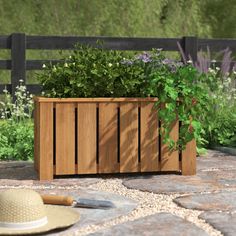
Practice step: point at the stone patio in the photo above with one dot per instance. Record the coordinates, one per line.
(148, 204)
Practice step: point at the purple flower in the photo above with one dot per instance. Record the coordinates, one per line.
(145, 57)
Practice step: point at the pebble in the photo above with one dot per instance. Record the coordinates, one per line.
(149, 204)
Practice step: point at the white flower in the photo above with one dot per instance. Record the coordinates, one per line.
(117, 64)
(70, 57)
(65, 65)
(211, 70)
(217, 68)
(44, 66)
(189, 61)
(213, 61)
(54, 69)
(234, 72)
(21, 80)
(110, 65)
(94, 65)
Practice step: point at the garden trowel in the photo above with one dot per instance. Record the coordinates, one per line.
(78, 202)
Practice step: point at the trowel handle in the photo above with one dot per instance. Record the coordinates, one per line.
(57, 200)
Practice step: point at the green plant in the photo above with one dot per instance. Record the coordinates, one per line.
(16, 126)
(19, 110)
(91, 72)
(95, 72)
(220, 118)
(16, 140)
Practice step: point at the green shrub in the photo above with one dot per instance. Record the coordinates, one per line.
(16, 126)
(95, 72)
(16, 140)
(219, 119)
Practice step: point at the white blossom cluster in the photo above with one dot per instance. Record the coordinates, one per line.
(20, 109)
(226, 84)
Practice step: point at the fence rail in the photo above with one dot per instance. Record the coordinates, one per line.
(18, 43)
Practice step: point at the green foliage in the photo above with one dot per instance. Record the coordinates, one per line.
(95, 72)
(16, 126)
(21, 109)
(219, 119)
(91, 72)
(16, 140)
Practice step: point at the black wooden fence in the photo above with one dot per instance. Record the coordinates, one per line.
(18, 43)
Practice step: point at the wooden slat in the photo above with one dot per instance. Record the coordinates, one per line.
(217, 44)
(108, 138)
(65, 138)
(45, 139)
(36, 135)
(5, 64)
(18, 55)
(38, 64)
(170, 160)
(34, 88)
(3, 86)
(87, 138)
(115, 43)
(129, 137)
(115, 100)
(149, 138)
(189, 159)
(5, 42)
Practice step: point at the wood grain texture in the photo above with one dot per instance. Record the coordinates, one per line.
(108, 138)
(65, 138)
(189, 159)
(95, 100)
(149, 138)
(129, 137)
(170, 159)
(36, 135)
(45, 138)
(87, 138)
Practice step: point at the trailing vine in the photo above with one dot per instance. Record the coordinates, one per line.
(181, 90)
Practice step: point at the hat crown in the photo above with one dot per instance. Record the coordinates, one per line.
(21, 205)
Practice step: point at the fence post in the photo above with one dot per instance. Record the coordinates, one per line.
(18, 63)
(190, 48)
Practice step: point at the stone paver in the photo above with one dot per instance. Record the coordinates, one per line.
(216, 178)
(216, 172)
(223, 201)
(216, 159)
(18, 173)
(224, 222)
(173, 184)
(161, 224)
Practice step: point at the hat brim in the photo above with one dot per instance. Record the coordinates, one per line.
(58, 217)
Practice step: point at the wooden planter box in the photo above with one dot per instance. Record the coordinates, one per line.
(103, 135)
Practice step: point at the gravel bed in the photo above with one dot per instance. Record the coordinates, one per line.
(149, 203)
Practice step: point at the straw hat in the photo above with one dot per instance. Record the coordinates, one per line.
(22, 211)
